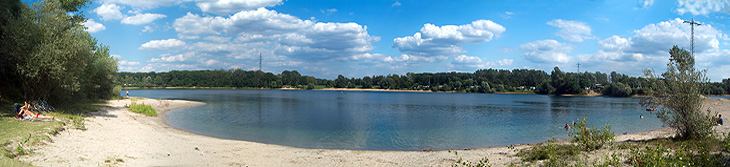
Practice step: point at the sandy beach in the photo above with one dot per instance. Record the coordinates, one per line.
(117, 137)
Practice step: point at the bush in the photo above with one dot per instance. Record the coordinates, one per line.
(685, 156)
(142, 109)
(548, 150)
(617, 90)
(116, 91)
(678, 93)
(591, 139)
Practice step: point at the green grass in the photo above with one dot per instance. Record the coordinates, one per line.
(142, 109)
(19, 137)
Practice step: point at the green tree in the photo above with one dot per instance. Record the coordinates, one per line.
(341, 82)
(678, 93)
(367, 82)
(617, 89)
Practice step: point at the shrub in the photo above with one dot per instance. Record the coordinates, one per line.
(685, 156)
(678, 95)
(142, 109)
(591, 138)
(116, 91)
(554, 153)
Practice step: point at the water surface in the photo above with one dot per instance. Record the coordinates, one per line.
(393, 120)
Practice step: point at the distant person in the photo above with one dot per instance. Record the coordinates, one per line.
(566, 127)
(719, 119)
(127, 93)
(641, 116)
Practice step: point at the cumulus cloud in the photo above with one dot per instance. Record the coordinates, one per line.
(109, 12)
(546, 51)
(140, 19)
(660, 37)
(291, 36)
(447, 40)
(162, 44)
(573, 31)
(92, 26)
(702, 7)
(225, 7)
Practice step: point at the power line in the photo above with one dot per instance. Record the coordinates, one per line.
(692, 40)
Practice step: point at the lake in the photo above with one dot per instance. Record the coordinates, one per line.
(363, 120)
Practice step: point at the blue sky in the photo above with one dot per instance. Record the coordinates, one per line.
(358, 38)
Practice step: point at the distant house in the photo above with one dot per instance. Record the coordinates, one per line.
(597, 87)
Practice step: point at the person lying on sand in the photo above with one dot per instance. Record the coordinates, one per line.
(25, 113)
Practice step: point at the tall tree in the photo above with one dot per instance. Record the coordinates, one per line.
(678, 93)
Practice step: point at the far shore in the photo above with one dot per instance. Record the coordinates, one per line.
(139, 140)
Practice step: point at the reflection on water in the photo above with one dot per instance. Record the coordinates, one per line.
(393, 120)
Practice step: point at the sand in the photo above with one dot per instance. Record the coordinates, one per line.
(117, 137)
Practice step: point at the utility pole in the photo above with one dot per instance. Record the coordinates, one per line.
(692, 40)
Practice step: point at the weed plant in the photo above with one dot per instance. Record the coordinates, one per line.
(590, 139)
(142, 109)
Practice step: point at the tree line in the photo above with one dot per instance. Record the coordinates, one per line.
(480, 81)
(45, 53)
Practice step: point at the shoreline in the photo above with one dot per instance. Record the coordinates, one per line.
(149, 141)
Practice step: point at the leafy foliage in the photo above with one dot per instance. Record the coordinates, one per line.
(685, 156)
(591, 139)
(617, 90)
(48, 55)
(142, 109)
(678, 93)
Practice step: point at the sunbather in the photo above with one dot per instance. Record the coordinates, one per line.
(26, 113)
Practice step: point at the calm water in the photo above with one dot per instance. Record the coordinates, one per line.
(393, 120)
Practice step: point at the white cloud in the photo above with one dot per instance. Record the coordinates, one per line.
(218, 39)
(286, 34)
(573, 31)
(128, 63)
(395, 4)
(140, 19)
(147, 29)
(614, 43)
(144, 3)
(174, 58)
(93, 26)
(702, 7)
(328, 11)
(544, 51)
(162, 44)
(448, 39)
(469, 63)
(109, 12)
(225, 7)
(659, 38)
(645, 3)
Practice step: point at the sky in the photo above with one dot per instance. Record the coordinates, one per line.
(326, 38)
